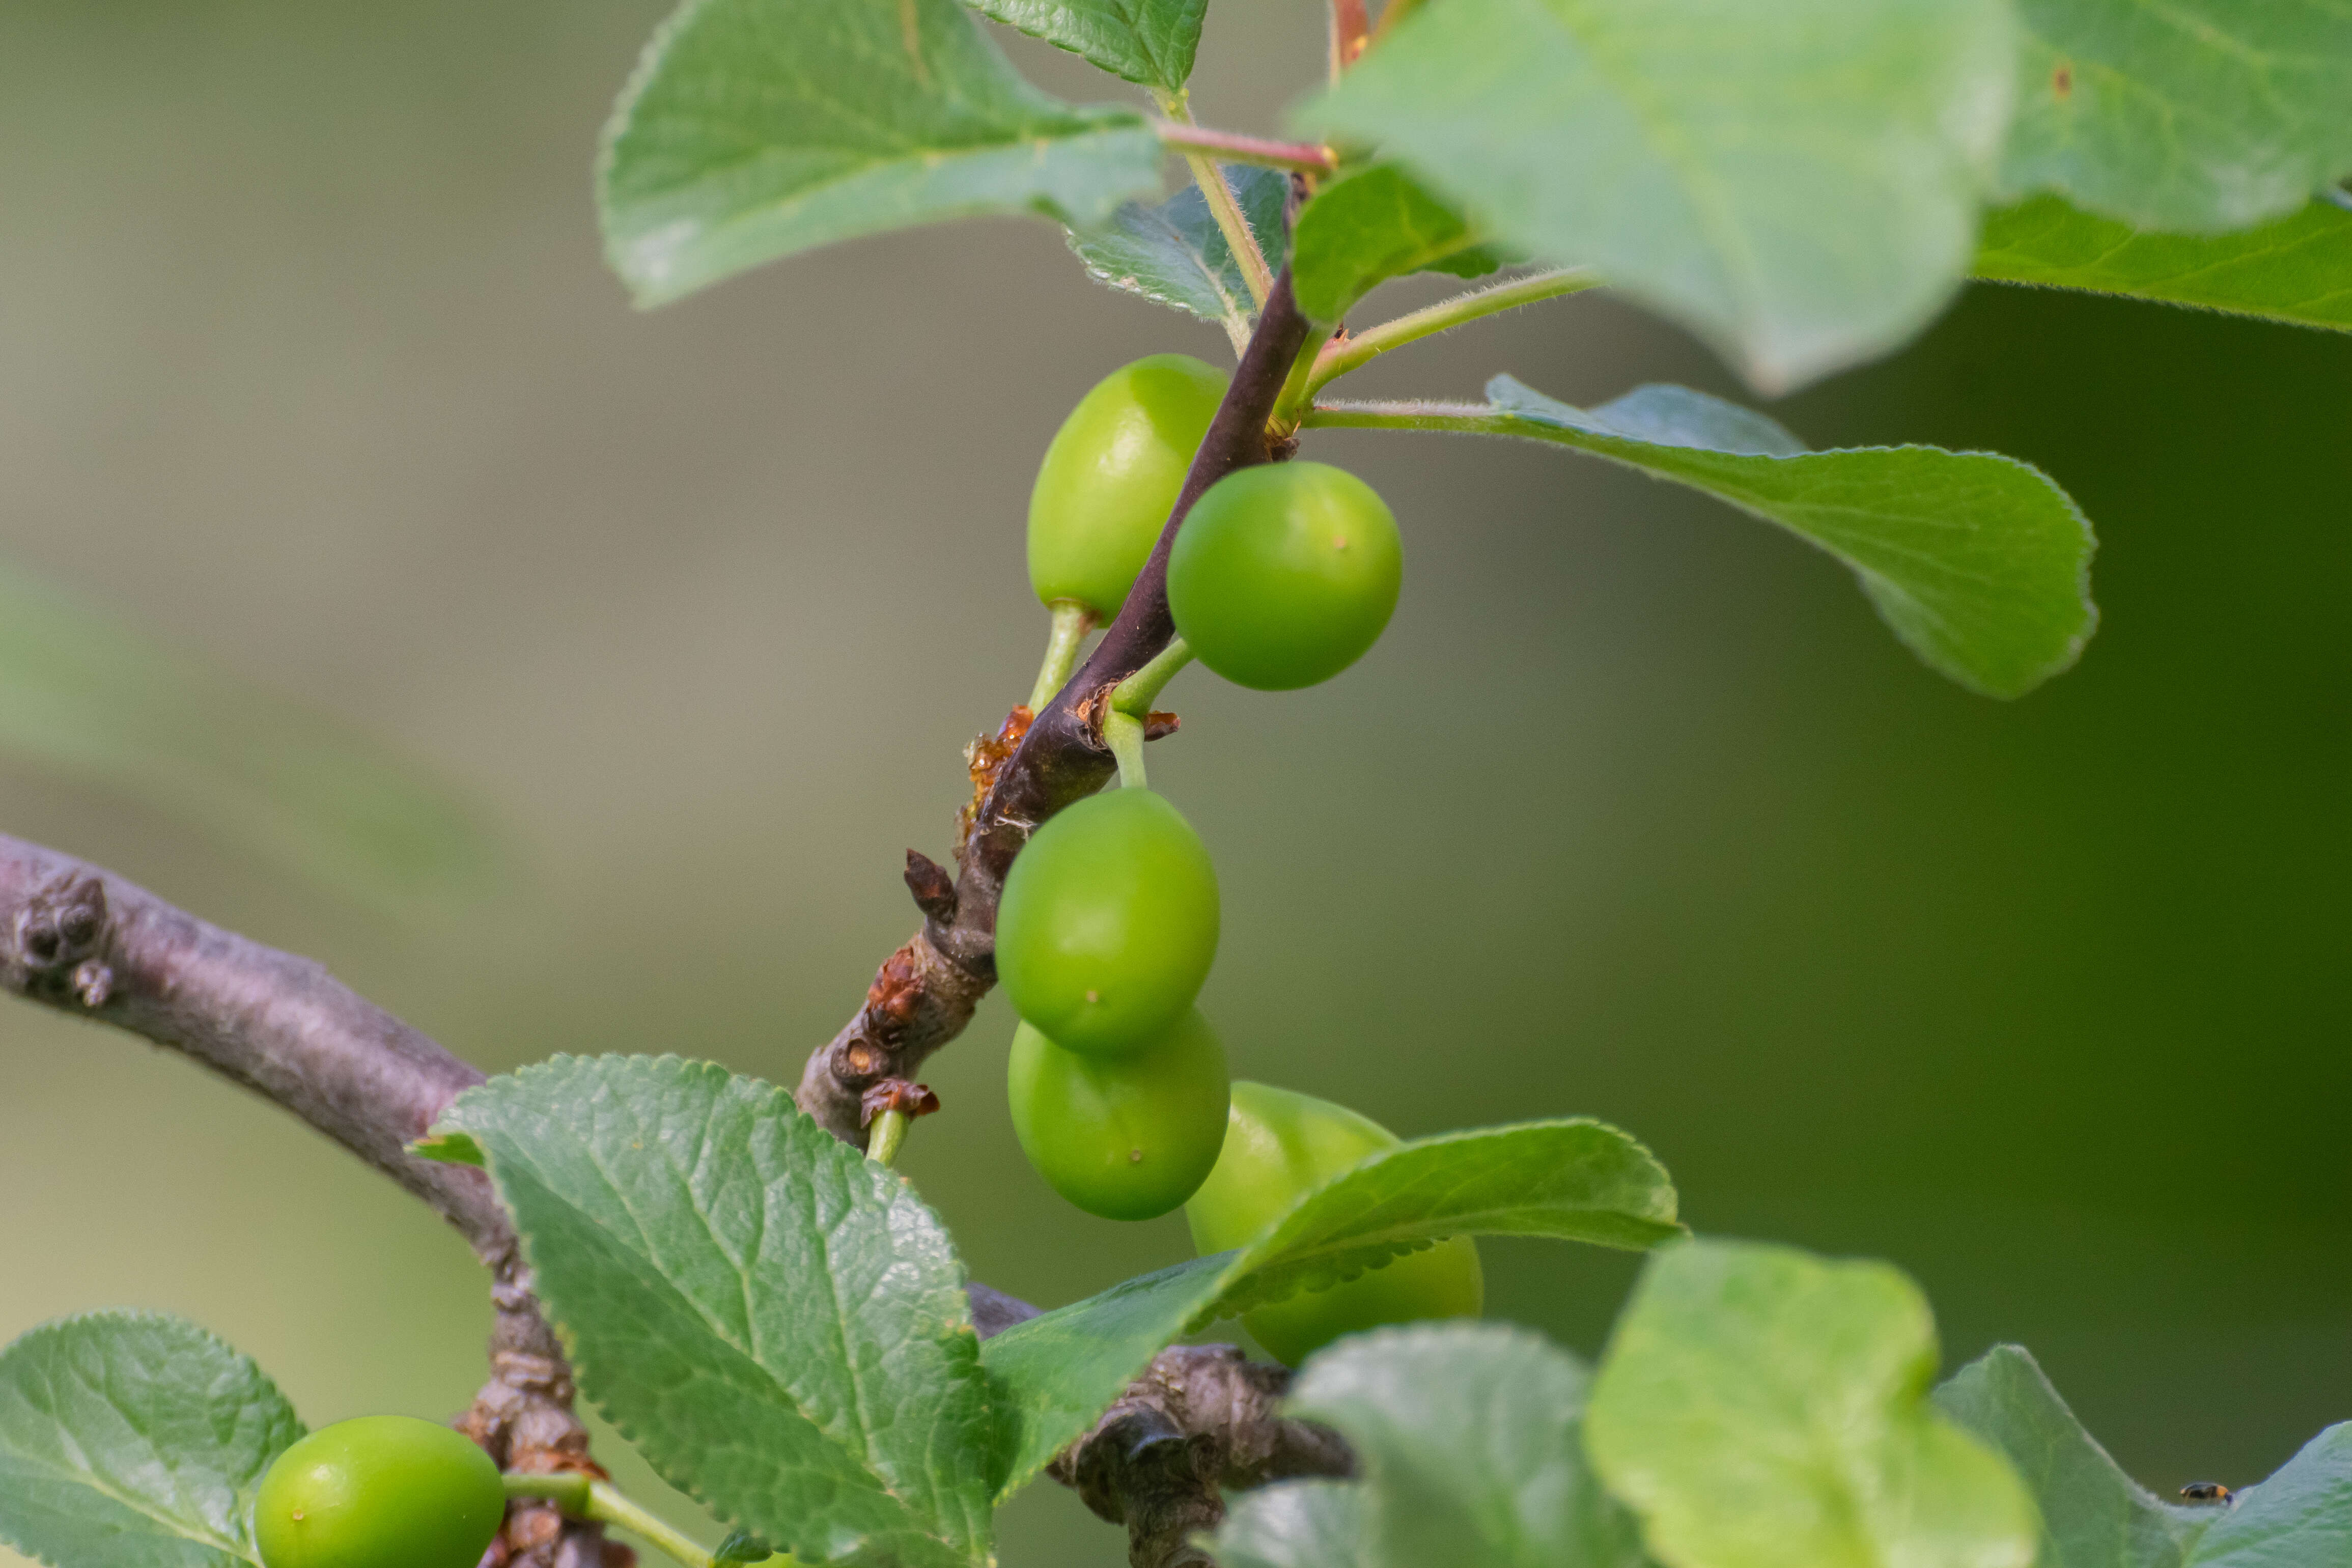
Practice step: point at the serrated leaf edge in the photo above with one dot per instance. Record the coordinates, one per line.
(148, 1316)
(571, 1346)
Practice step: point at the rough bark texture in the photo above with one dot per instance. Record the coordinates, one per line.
(88, 942)
(1202, 1418)
(925, 993)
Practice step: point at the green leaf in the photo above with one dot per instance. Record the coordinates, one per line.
(86, 693)
(2095, 1516)
(742, 1546)
(1293, 1524)
(2199, 115)
(1759, 1407)
(2298, 269)
(2300, 1518)
(1174, 253)
(1796, 182)
(1979, 562)
(1470, 1441)
(777, 1322)
(2092, 1515)
(755, 128)
(1372, 226)
(1150, 42)
(134, 1440)
(1573, 1180)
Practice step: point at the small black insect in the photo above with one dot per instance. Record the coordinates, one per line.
(2208, 1492)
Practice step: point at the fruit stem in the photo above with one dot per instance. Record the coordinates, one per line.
(1133, 697)
(583, 1497)
(568, 1492)
(1179, 132)
(1297, 393)
(1130, 705)
(888, 1132)
(1072, 622)
(1124, 731)
(1352, 354)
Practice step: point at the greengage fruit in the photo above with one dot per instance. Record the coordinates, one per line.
(1284, 575)
(382, 1492)
(1110, 478)
(1126, 1137)
(1108, 922)
(1279, 1146)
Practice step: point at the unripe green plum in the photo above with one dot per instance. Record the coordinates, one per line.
(1110, 478)
(1279, 1146)
(1284, 575)
(1126, 1137)
(1108, 922)
(383, 1492)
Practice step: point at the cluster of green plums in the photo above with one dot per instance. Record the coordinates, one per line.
(382, 1492)
(1282, 576)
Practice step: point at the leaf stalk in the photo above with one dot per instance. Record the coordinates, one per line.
(1351, 354)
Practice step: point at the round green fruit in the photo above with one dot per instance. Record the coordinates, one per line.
(383, 1492)
(1110, 478)
(1284, 575)
(1126, 1137)
(1279, 1146)
(1108, 922)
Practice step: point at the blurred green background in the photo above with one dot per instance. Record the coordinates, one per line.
(307, 361)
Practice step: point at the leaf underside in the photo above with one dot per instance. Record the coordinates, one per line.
(1173, 253)
(1980, 564)
(1798, 183)
(755, 128)
(777, 1322)
(134, 1440)
(1573, 1179)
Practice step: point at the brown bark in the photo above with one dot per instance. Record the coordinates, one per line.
(85, 941)
(926, 991)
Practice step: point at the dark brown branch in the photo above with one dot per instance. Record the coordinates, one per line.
(925, 993)
(94, 946)
(88, 944)
(1202, 1418)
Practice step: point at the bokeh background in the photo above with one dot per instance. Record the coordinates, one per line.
(309, 364)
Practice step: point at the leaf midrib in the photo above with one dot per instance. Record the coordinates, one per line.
(639, 1262)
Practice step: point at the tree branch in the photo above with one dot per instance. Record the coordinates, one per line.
(89, 943)
(94, 946)
(926, 991)
(86, 942)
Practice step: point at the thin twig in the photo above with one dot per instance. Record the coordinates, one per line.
(1351, 31)
(927, 991)
(89, 943)
(1303, 157)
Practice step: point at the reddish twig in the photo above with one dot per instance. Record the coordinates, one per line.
(1352, 29)
(1231, 147)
